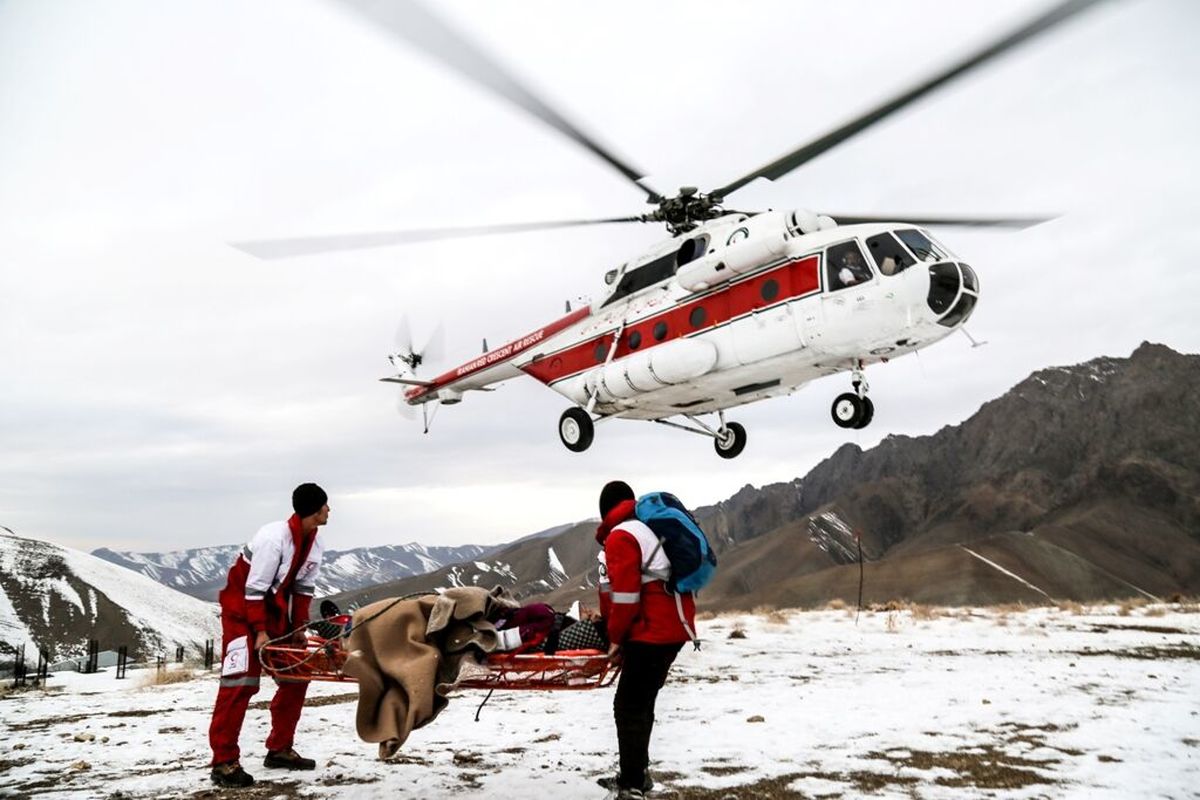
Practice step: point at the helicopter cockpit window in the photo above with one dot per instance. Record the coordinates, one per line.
(922, 246)
(692, 249)
(890, 256)
(644, 276)
(845, 266)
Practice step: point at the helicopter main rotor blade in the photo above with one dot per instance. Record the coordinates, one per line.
(801, 155)
(413, 23)
(270, 249)
(967, 222)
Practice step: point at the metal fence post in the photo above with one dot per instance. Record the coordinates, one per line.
(43, 669)
(122, 661)
(161, 663)
(179, 654)
(208, 654)
(19, 670)
(93, 659)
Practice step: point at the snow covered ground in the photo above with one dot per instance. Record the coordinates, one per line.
(910, 703)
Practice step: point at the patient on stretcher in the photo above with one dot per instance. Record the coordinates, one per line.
(539, 628)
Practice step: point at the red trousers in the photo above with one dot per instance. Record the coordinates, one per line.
(234, 696)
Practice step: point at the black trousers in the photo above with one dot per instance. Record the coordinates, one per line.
(644, 670)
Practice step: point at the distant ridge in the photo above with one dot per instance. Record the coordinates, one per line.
(201, 572)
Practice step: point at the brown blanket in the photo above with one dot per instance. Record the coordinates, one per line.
(409, 656)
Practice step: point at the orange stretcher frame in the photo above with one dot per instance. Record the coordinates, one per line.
(572, 670)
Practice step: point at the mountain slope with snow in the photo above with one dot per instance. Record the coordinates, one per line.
(201, 572)
(56, 598)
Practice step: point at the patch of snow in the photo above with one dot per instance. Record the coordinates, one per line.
(482, 567)
(64, 590)
(1009, 573)
(1084, 705)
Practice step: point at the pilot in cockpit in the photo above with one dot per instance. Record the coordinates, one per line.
(853, 269)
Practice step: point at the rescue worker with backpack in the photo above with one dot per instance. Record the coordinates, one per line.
(267, 595)
(647, 580)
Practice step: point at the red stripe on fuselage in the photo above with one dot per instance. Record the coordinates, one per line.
(793, 280)
(499, 355)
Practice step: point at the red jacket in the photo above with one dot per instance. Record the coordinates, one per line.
(284, 604)
(638, 607)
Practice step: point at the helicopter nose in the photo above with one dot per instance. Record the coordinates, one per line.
(953, 292)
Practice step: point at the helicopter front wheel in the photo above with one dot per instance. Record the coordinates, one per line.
(730, 441)
(576, 429)
(849, 410)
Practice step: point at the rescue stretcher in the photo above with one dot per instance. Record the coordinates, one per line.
(323, 659)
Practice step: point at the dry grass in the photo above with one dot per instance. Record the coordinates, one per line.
(738, 632)
(1155, 611)
(705, 616)
(923, 612)
(167, 676)
(772, 615)
(892, 622)
(1011, 608)
(1071, 607)
(1129, 604)
(836, 604)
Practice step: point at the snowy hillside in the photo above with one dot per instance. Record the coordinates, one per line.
(917, 703)
(201, 572)
(57, 598)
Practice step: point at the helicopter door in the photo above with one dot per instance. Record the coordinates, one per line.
(848, 297)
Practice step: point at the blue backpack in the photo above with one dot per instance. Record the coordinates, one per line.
(684, 543)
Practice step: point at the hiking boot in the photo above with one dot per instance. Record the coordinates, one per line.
(230, 775)
(613, 782)
(287, 759)
(626, 794)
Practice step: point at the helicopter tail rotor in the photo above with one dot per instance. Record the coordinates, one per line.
(408, 359)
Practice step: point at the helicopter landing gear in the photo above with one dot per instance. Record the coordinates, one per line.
(729, 438)
(576, 429)
(730, 441)
(854, 409)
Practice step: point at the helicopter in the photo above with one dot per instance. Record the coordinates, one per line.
(735, 306)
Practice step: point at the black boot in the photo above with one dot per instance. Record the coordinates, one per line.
(288, 759)
(230, 775)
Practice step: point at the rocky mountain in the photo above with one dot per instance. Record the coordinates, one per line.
(1081, 482)
(57, 598)
(201, 572)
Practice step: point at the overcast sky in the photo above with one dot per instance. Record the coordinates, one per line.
(160, 390)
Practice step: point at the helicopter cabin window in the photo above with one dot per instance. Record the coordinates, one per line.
(697, 317)
(922, 246)
(600, 353)
(660, 331)
(845, 266)
(635, 340)
(643, 277)
(691, 250)
(969, 280)
(890, 256)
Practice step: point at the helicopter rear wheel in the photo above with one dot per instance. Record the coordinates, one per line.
(730, 440)
(868, 413)
(576, 430)
(849, 410)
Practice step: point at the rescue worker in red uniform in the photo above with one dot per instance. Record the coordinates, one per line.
(267, 595)
(647, 625)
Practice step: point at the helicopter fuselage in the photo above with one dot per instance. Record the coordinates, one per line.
(740, 309)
